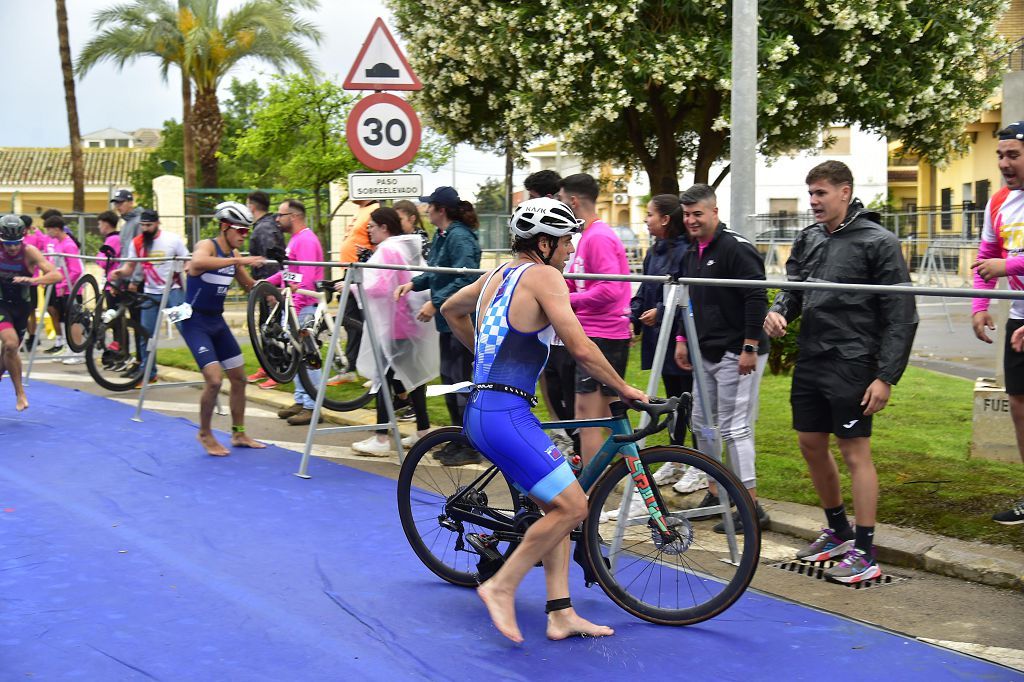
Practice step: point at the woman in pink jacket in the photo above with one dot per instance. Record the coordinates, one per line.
(410, 347)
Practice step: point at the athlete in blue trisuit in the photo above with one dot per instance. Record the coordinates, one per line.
(519, 307)
(18, 261)
(215, 263)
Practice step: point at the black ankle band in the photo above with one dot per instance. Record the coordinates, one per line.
(558, 605)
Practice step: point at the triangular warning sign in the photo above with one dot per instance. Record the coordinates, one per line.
(381, 64)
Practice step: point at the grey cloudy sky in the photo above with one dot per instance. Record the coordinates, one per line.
(136, 97)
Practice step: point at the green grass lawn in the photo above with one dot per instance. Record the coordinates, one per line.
(921, 442)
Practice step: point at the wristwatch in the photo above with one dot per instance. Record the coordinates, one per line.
(749, 348)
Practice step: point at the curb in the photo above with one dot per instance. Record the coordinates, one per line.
(280, 399)
(974, 561)
(896, 546)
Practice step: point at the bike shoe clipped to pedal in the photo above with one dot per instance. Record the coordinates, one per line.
(579, 556)
(490, 559)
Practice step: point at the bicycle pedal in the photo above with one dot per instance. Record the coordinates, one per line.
(485, 546)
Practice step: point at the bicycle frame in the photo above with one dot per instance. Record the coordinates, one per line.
(321, 316)
(589, 475)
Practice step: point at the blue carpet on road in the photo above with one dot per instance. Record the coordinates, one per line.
(127, 554)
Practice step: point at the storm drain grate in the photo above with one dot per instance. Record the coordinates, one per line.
(816, 571)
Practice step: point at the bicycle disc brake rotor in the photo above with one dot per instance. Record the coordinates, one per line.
(682, 536)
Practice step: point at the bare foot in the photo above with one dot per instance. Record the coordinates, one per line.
(212, 445)
(567, 623)
(240, 440)
(22, 403)
(502, 608)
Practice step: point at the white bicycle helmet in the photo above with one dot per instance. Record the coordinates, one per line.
(234, 213)
(543, 216)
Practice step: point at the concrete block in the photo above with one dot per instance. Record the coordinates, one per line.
(992, 434)
(980, 563)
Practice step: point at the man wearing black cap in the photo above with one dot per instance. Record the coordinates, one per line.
(455, 245)
(1000, 255)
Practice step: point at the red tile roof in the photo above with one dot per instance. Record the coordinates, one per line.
(52, 166)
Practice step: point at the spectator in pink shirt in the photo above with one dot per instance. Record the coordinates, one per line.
(33, 237)
(111, 238)
(601, 306)
(59, 242)
(303, 245)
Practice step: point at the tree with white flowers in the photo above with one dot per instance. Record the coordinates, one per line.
(646, 83)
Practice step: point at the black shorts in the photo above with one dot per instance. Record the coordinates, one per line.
(826, 396)
(15, 314)
(1013, 362)
(59, 302)
(33, 295)
(616, 351)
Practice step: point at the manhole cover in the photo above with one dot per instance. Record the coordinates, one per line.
(817, 569)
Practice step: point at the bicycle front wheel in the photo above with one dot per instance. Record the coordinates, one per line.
(681, 581)
(433, 499)
(113, 351)
(271, 338)
(81, 313)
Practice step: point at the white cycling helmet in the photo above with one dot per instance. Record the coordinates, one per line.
(234, 213)
(543, 216)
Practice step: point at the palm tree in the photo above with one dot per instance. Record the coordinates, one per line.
(205, 46)
(77, 166)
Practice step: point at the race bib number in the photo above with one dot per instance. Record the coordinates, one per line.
(178, 313)
(292, 277)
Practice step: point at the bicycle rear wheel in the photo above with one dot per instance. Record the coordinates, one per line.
(271, 340)
(112, 353)
(681, 582)
(348, 396)
(81, 312)
(428, 512)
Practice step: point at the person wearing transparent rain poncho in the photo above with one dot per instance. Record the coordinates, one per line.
(410, 347)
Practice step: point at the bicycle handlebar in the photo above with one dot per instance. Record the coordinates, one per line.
(655, 408)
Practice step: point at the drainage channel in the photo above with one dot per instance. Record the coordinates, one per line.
(816, 571)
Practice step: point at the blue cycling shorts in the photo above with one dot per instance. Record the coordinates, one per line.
(502, 427)
(210, 340)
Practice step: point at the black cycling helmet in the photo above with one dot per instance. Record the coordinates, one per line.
(11, 228)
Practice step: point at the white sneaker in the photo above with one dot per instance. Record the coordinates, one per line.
(637, 508)
(693, 480)
(669, 473)
(409, 441)
(74, 359)
(373, 447)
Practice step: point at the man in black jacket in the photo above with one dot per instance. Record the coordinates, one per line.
(733, 346)
(853, 347)
(266, 237)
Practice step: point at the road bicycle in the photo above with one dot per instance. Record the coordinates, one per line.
(116, 340)
(80, 314)
(666, 567)
(285, 349)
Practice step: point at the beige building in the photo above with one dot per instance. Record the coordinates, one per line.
(34, 179)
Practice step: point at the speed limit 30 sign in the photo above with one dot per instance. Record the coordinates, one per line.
(383, 132)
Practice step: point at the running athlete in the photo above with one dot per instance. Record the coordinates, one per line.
(1000, 255)
(520, 306)
(215, 263)
(18, 261)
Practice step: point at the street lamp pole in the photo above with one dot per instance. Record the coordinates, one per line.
(743, 117)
